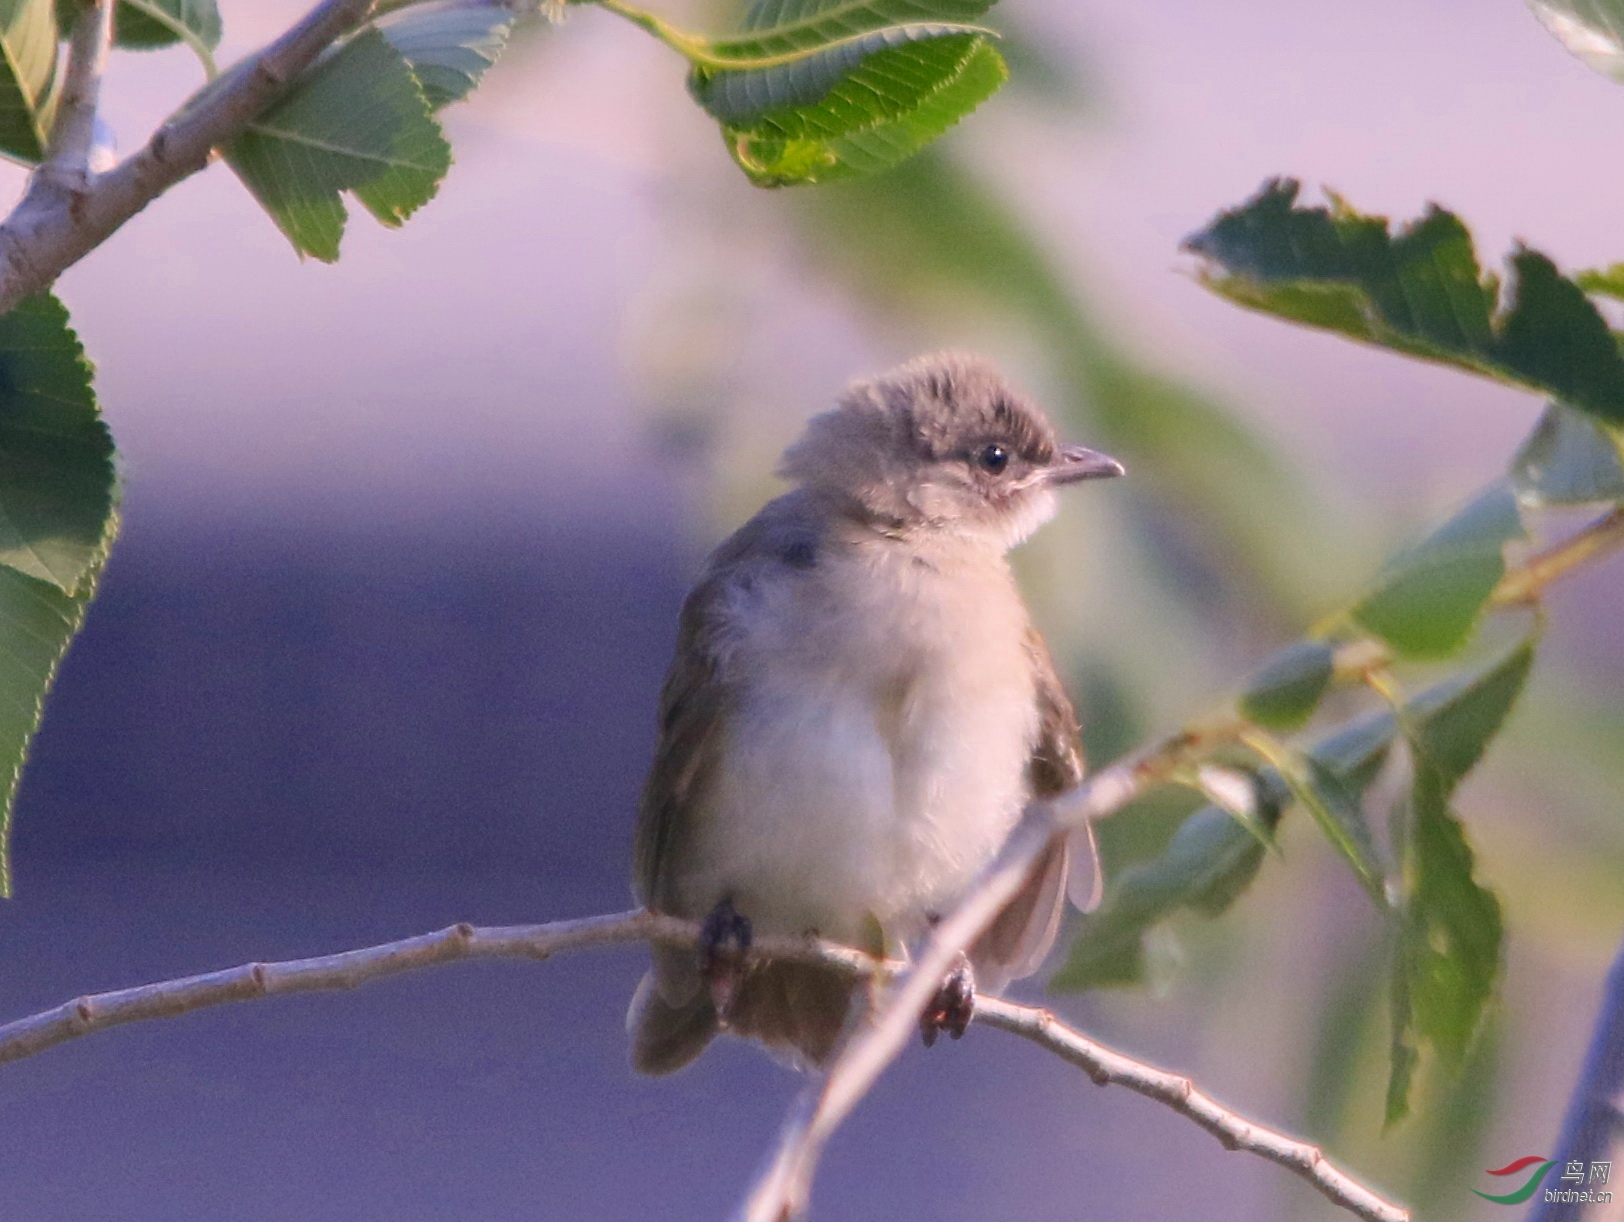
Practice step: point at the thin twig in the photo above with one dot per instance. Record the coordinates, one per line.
(73, 135)
(170, 998)
(1527, 581)
(50, 231)
(98, 1012)
(1235, 1132)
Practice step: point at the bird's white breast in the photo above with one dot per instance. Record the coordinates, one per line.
(877, 757)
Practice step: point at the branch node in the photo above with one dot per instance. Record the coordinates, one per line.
(84, 1011)
(257, 973)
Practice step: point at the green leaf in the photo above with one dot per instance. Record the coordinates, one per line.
(1592, 29)
(37, 620)
(1453, 721)
(812, 91)
(909, 107)
(1569, 459)
(1428, 597)
(57, 519)
(1286, 689)
(28, 37)
(817, 90)
(355, 122)
(144, 24)
(449, 46)
(1420, 292)
(779, 27)
(57, 484)
(1450, 931)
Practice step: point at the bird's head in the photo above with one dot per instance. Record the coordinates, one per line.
(942, 444)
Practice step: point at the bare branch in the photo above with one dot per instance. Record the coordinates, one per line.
(51, 230)
(67, 164)
(1106, 1067)
(170, 998)
(98, 1012)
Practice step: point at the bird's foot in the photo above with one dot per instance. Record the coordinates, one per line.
(953, 1006)
(723, 940)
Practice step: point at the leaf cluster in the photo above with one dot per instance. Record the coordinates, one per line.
(1419, 292)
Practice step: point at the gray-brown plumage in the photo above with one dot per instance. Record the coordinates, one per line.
(859, 708)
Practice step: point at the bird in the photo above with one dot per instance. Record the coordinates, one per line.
(858, 710)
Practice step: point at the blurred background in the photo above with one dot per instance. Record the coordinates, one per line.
(405, 538)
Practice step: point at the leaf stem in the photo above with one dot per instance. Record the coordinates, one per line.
(700, 51)
(689, 46)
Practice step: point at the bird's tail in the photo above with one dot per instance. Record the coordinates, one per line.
(794, 1008)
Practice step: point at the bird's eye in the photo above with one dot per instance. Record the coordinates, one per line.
(993, 458)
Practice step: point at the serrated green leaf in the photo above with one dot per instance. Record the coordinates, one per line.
(1419, 292)
(56, 456)
(147, 24)
(28, 37)
(1428, 597)
(1450, 932)
(891, 106)
(1569, 459)
(778, 27)
(1453, 721)
(811, 93)
(57, 519)
(355, 122)
(1592, 29)
(37, 620)
(1286, 689)
(871, 150)
(450, 46)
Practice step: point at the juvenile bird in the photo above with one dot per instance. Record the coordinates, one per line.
(858, 711)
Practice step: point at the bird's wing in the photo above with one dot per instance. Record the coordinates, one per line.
(701, 692)
(1057, 765)
(693, 713)
(1018, 940)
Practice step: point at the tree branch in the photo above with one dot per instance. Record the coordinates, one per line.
(170, 998)
(1527, 582)
(98, 1012)
(50, 230)
(1235, 1132)
(67, 164)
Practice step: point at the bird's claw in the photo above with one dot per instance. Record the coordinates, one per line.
(952, 1008)
(724, 937)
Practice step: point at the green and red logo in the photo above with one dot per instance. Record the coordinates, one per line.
(1520, 1195)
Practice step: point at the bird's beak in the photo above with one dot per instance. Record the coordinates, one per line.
(1075, 463)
